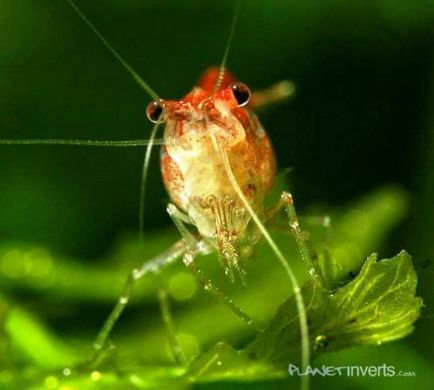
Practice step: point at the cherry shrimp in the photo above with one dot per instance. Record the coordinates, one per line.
(217, 164)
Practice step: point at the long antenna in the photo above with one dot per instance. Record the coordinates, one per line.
(301, 307)
(106, 43)
(81, 142)
(144, 179)
(222, 70)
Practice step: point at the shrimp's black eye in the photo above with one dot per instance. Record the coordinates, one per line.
(155, 111)
(241, 93)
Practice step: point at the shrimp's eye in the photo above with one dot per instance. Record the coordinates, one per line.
(155, 111)
(241, 93)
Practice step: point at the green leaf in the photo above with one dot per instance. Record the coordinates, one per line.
(36, 342)
(377, 306)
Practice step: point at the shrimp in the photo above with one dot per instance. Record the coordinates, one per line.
(218, 165)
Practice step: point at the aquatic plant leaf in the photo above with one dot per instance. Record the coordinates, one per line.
(378, 306)
(36, 342)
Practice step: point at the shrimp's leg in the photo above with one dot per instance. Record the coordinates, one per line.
(189, 261)
(180, 219)
(153, 266)
(200, 246)
(302, 238)
(168, 322)
(327, 264)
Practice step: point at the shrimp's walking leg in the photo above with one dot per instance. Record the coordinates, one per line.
(196, 247)
(168, 322)
(189, 261)
(153, 266)
(327, 264)
(304, 245)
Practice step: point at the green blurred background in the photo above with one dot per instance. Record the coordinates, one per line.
(362, 116)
